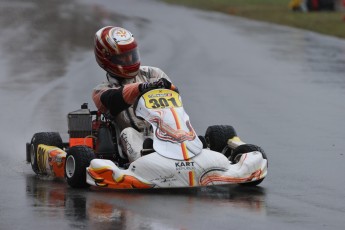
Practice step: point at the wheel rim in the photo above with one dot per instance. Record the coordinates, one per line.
(70, 166)
(32, 154)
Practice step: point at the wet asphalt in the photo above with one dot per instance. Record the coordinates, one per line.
(281, 88)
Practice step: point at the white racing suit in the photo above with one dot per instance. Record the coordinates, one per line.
(115, 97)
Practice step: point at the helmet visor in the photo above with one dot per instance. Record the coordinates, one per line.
(127, 58)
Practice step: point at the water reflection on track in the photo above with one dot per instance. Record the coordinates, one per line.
(91, 207)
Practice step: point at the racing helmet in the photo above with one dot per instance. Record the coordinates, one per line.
(116, 51)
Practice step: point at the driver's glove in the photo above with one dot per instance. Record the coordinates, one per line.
(159, 84)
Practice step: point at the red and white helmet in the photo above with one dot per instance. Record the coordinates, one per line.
(116, 52)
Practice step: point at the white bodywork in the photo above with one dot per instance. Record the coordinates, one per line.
(179, 159)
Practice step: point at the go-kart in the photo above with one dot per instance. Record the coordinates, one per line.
(174, 156)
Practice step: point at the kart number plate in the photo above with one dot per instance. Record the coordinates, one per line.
(162, 98)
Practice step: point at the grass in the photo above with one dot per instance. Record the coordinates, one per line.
(275, 11)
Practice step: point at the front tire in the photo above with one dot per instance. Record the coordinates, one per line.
(46, 138)
(217, 136)
(246, 148)
(77, 160)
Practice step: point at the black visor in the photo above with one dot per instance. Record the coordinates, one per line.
(127, 58)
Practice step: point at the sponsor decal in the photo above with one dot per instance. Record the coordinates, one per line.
(165, 179)
(41, 159)
(121, 33)
(160, 95)
(184, 165)
(133, 168)
(56, 158)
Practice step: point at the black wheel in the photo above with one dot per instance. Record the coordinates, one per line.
(217, 136)
(28, 154)
(203, 141)
(246, 148)
(254, 183)
(77, 160)
(46, 138)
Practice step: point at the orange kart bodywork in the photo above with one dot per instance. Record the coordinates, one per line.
(51, 160)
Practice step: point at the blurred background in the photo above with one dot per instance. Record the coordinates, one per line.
(322, 16)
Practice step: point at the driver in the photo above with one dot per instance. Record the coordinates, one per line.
(116, 52)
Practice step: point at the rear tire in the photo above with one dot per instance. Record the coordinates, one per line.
(46, 138)
(246, 148)
(217, 136)
(77, 160)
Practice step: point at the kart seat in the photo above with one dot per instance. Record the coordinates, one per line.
(105, 147)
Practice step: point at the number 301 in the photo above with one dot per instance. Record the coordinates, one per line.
(162, 102)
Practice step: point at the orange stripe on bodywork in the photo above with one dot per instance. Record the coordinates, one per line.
(191, 178)
(177, 120)
(185, 151)
(227, 179)
(183, 147)
(178, 126)
(104, 177)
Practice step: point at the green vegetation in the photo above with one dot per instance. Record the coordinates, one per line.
(275, 11)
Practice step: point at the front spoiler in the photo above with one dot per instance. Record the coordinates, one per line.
(155, 171)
